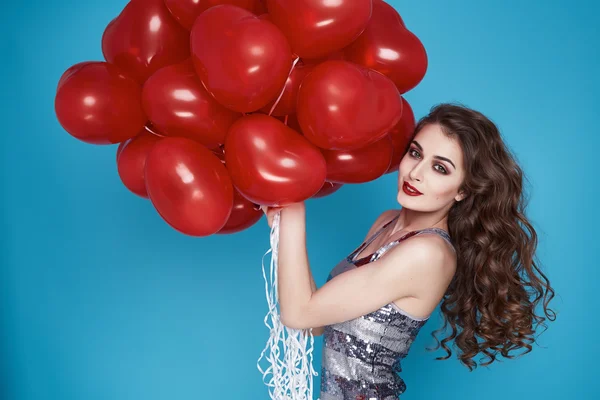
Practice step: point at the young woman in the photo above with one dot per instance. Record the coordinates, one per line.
(461, 238)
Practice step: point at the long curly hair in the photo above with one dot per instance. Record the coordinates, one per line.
(490, 296)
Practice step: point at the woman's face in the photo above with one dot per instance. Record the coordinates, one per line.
(434, 166)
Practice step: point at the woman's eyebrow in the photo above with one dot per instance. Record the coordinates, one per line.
(438, 157)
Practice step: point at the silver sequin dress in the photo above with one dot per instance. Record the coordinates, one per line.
(361, 357)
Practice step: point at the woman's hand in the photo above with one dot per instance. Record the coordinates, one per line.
(271, 211)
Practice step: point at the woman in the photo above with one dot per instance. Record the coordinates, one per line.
(461, 237)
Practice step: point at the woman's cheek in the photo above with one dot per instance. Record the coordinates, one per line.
(440, 188)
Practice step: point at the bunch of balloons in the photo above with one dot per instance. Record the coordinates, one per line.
(222, 105)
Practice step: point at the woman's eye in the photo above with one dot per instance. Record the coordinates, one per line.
(442, 170)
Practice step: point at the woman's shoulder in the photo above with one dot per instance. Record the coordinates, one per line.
(433, 248)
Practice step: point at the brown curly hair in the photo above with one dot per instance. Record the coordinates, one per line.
(490, 294)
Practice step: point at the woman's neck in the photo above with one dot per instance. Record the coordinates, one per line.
(410, 220)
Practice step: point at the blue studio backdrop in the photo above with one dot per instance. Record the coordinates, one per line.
(101, 299)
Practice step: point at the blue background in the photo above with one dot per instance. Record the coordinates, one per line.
(101, 299)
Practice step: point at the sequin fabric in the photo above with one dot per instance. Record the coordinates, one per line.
(361, 357)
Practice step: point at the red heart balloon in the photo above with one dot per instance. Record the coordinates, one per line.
(72, 70)
(261, 8)
(219, 152)
(244, 214)
(316, 28)
(361, 165)
(96, 103)
(345, 106)
(270, 164)
(144, 38)
(327, 189)
(287, 103)
(131, 159)
(242, 60)
(178, 105)
(292, 122)
(336, 55)
(186, 11)
(388, 47)
(189, 186)
(401, 135)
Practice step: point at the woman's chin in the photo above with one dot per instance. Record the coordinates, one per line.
(406, 201)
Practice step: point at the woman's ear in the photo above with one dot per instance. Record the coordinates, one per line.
(461, 195)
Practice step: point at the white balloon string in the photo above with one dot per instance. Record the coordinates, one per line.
(284, 85)
(292, 369)
(151, 129)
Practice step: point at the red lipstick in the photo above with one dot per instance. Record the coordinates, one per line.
(410, 190)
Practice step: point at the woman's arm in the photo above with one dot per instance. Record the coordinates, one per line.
(292, 250)
(318, 331)
(408, 270)
(294, 283)
(382, 219)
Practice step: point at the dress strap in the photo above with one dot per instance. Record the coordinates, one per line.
(370, 239)
(393, 243)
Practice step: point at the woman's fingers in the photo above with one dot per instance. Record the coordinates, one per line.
(270, 213)
(270, 210)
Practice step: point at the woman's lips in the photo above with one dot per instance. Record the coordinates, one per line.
(410, 190)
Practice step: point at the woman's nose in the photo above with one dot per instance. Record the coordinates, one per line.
(415, 173)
